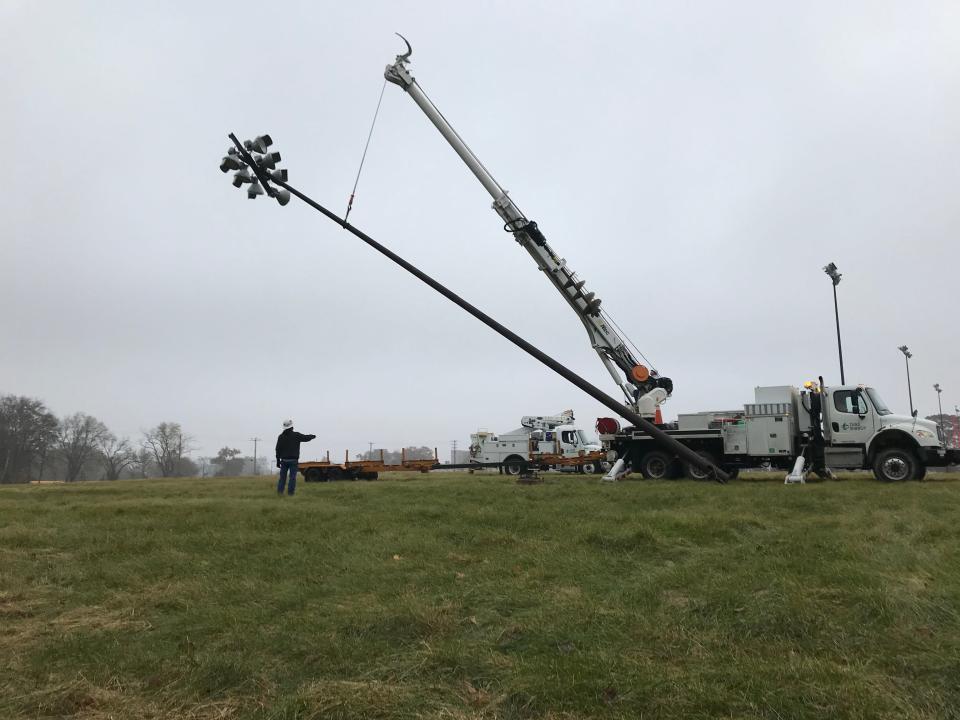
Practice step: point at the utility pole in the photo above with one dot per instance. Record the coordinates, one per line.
(255, 440)
(453, 452)
(370, 450)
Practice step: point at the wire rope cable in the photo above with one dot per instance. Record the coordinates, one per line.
(365, 148)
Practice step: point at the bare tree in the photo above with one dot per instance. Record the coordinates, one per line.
(117, 455)
(167, 444)
(142, 463)
(27, 429)
(77, 439)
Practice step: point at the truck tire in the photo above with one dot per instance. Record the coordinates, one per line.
(695, 473)
(314, 475)
(514, 465)
(656, 465)
(921, 471)
(590, 468)
(895, 465)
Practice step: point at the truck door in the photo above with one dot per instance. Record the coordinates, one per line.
(851, 418)
(568, 442)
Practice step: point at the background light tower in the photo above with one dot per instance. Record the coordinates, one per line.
(936, 386)
(907, 354)
(831, 270)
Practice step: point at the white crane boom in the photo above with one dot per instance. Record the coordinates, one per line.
(634, 379)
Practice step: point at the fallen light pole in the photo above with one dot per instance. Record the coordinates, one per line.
(242, 159)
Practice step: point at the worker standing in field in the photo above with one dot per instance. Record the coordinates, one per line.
(288, 456)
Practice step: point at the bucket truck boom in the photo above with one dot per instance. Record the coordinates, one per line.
(643, 388)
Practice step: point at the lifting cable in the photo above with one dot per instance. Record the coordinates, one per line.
(365, 148)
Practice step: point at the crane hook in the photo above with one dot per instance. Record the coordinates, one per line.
(406, 56)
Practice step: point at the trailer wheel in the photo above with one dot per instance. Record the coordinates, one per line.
(895, 465)
(655, 465)
(313, 475)
(334, 473)
(514, 465)
(696, 473)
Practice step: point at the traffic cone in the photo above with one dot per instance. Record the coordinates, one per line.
(658, 418)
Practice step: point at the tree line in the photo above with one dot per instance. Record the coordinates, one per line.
(35, 444)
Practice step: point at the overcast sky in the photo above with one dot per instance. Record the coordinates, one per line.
(697, 163)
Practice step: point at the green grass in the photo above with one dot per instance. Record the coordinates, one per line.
(456, 596)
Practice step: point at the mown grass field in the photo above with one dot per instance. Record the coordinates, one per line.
(455, 596)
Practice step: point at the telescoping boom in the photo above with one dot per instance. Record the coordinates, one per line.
(635, 380)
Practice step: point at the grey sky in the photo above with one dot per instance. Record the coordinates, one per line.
(696, 163)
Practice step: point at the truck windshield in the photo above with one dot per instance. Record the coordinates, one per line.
(878, 403)
(584, 440)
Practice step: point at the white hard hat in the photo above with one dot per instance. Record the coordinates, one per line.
(288, 423)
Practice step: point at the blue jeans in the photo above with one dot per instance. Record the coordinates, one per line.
(287, 466)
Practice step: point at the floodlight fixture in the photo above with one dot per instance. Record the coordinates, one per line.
(831, 270)
(260, 143)
(905, 351)
(231, 162)
(268, 161)
(243, 175)
(256, 167)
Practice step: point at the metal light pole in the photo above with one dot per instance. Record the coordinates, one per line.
(831, 270)
(936, 386)
(907, 355)
(251, 167)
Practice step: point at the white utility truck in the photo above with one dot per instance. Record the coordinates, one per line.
(551, 440)
(848, 427)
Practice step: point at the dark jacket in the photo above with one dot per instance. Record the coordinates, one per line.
(288, 444)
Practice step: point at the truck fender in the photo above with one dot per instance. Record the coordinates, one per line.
(891, 438)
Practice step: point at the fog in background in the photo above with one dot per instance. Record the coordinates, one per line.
(697, 163)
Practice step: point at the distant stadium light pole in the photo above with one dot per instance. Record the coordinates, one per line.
(831, 270)
(936, 386)
(907, 354)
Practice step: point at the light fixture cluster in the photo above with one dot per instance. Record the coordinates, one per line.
(257, 152)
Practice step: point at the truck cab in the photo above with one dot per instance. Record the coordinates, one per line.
(860, 431)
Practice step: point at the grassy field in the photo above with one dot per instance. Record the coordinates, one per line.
(455, 596)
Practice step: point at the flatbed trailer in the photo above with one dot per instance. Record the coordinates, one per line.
(327, 470)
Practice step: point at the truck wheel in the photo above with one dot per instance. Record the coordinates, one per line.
(589, 468)
(514, 465)
(655, 465)
(696, 473)
(895, 465)
(313, 475)
(921, 471)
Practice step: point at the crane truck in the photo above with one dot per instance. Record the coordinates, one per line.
(843, 427)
